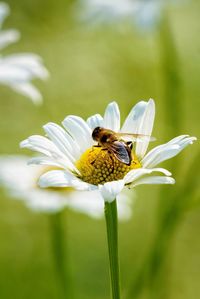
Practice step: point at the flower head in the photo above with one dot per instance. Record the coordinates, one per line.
(17, 70)
(20, 181)
(83, 166)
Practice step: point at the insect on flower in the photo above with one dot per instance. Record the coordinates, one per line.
(116, 144)
(72, 150)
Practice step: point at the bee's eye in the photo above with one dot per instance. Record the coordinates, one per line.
(95, 132)
(104, 138)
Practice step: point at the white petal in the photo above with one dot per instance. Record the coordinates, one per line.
(133, 120)
(18, 70)
(30, 64)
(42, 145)
(47, 161)
(177, 139)
(60, 178)
(159, 154)
(92, 204)
(83, 186)
(16, 175)
(12, 75)
(110, 190)
(63, 141)
(47, 147)
(4, 11)
(166, 151)
(125, 201)
(89, 203)
(153, 180)
(95, 121)
(45, 201)
(146, 127)
(112, 117)
(8, 37)
(56, 178)
(79, 130)
(184, 142)
(28, 90)
(137, 173)
(20, 183)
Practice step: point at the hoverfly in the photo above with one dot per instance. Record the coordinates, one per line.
(115, 144)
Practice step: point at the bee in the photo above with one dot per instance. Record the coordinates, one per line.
(114, 143)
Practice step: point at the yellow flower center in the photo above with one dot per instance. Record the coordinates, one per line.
(98, 166)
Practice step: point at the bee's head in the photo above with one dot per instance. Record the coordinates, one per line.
(96, 132)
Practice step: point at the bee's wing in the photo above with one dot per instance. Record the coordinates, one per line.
(137, 137)
(120, 151)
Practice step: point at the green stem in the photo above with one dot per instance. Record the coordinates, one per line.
(60, 254)
(112, 237)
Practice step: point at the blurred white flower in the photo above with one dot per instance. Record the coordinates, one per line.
(144, 13)
(20, 181)
(6, 36)
(87, 167)
(17, 70)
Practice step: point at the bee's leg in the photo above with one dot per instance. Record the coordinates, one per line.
(113, 162)
(129, 150)
(98, 153)
(102, 149)
(97, 145)
(130, 144)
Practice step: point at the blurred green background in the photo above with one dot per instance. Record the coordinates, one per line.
(89, 68)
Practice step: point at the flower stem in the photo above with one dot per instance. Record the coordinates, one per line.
(60, 254)
(112, 237)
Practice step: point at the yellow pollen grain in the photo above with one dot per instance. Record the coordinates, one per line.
(98, 165)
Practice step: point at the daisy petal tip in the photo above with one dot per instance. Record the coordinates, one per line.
(113, 103)
(172, 181)
(113, 106)
(151, 100)
(112, 117)
(46, 126)
(167, 173)
(153, 105)
(43, 181)
(193, 139)
(23, 143)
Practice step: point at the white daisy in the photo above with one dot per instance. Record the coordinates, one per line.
(144, 13)
(17, 70)
(85, 167)
(20, 181)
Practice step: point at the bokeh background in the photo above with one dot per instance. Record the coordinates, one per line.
(89, 67)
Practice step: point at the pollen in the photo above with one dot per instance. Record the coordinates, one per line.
(97, 166)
